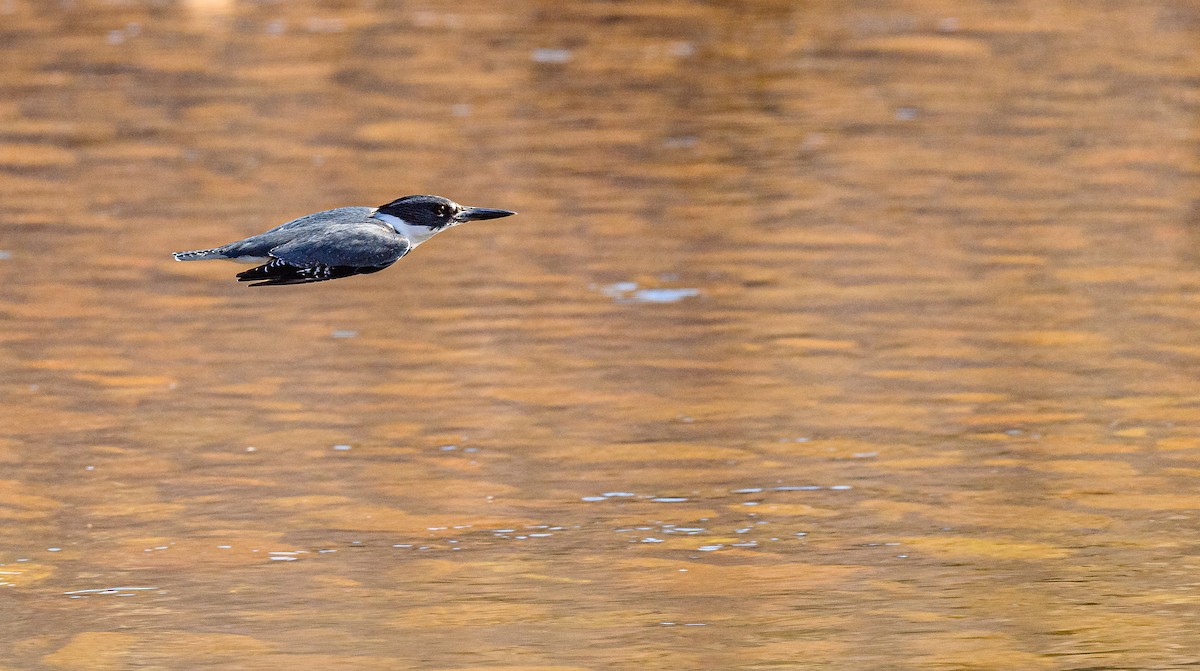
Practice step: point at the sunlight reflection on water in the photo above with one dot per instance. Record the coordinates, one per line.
(926, 399)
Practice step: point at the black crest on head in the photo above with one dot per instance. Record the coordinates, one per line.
(432, 211)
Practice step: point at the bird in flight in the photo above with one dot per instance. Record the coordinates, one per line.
(342, 242)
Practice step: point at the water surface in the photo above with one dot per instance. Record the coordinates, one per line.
(830, 335)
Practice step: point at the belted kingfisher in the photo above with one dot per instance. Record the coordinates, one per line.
(342, 242)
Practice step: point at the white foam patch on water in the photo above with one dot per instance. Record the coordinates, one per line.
(663, 295)
(551, 55)
(630, 292)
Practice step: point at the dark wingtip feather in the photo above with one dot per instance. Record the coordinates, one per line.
(278, 273)
(275, 270)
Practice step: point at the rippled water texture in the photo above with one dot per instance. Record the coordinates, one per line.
(831, 335)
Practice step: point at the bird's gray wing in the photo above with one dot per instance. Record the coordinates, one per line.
(326, 253)
(259, 246)
(364, 245)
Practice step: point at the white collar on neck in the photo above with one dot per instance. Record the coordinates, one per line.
(414, 234)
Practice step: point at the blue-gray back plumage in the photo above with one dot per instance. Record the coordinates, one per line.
(313, 248)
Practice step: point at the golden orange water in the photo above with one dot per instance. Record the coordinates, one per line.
(831, 335)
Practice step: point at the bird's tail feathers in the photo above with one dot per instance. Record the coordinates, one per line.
(200, 254)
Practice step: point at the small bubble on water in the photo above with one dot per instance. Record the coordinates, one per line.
(681, 49)
(618, 290)
(341, 448)
(556, 56)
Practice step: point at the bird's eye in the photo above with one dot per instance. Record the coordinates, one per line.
(443, 211)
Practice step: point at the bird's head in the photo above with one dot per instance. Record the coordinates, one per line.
(418, 218)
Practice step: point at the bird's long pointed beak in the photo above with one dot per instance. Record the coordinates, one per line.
(478, 213)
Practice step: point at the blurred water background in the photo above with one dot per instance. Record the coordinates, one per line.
(831, 335)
